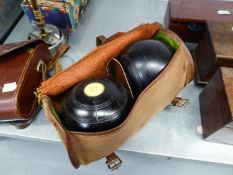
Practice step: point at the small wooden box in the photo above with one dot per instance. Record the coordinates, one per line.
(215, 49)
(216, 107)
(187, 18)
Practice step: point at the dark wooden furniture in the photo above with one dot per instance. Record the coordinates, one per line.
(187, 18)
(215, 49)
(216, 107)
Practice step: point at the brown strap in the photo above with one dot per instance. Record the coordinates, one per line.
(59, 53)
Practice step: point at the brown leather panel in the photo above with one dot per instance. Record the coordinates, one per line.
(10, 72)
(7, 104)
(29, 81)
(18, 63)
(199, 10)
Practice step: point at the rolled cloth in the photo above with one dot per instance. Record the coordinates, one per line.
(95, 62)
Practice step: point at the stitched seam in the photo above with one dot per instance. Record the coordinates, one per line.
(16, 111)
(25, 76)
(22, 80)
(17, 94)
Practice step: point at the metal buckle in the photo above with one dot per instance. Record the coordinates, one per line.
(42, 67)
(180, 102)
(113, 161)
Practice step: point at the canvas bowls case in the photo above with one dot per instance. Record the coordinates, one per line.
(86, 147)
(20, 76)
(93, 105)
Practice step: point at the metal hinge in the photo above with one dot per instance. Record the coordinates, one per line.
(113, 161)
(180, 102)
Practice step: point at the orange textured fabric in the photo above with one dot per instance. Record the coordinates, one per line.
(91, 66)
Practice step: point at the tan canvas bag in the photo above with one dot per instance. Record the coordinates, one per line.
(83, 147)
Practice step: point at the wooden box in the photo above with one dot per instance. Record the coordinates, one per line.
(187, 18)
(216, 107)
(215, 49)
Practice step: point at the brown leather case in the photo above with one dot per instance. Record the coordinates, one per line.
(215, 50)
(20, 78)
(216, 107)
(84, 148)
(183, 12)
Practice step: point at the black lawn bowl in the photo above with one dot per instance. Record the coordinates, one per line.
(95, 105)
(143, 62)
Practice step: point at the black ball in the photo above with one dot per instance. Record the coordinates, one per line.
(143, 62)
(95, 105)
